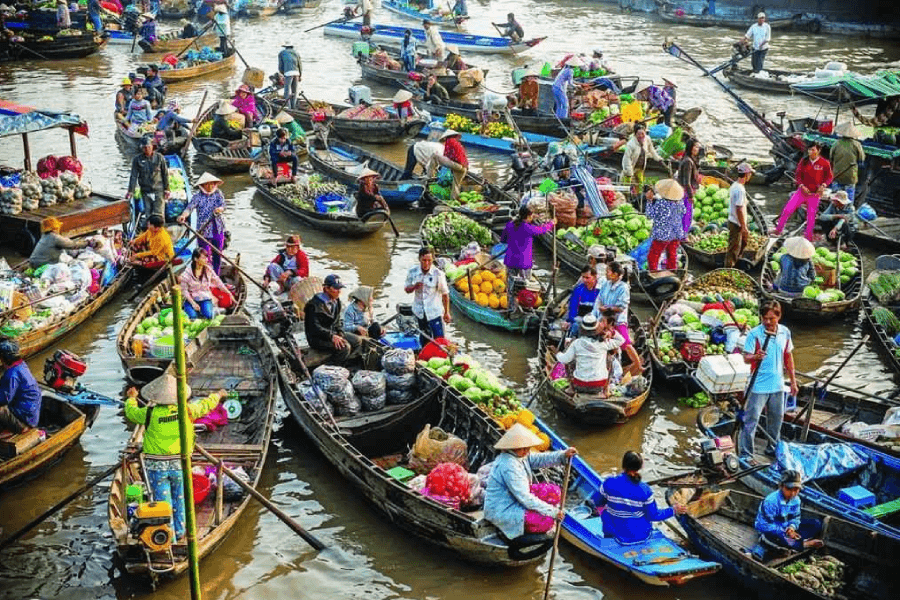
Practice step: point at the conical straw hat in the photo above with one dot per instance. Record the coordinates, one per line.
(518, 437)
(208, 177)
(163, 390)
(799, 247)
(669, 189)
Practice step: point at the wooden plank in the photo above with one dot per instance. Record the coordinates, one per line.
(226, 448)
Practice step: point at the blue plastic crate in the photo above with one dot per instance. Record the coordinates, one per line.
(401, 340)
(857, 496)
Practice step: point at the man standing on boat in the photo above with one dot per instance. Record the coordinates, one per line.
(150, 172)
(94, 10)
(20, 396)
(223, 26)
(434, 43)
(738, 232)
(847, 155)
(431, 299)
(290, 66)
(364, 7)
(759, 35)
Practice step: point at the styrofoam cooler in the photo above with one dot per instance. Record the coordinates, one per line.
(723, 374)
(360, 93)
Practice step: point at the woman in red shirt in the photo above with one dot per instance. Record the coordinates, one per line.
(454, 152)
(813, 176)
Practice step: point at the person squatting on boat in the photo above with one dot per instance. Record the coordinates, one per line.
(358, 316)
(797, 270)
(596, 338)
(778, 520)
(288, 267)
(839, 218)
(52, 244)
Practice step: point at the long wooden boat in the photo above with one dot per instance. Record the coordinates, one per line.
(365, 131)
(520, 323)
(132, 139)
(172, 75)
(172, 11)
(536, 141)
(235, 356)
(588, 409)
(260, 8)
(721, 281)
(884, 340)
(658, 561)
(544, 124)
(365, 446)
(809, 308)
(171, 41)
(400, 77)
(778, 82)
(343, 162)
(142, 369)
(753, 257)
(64, 423)
(338, 223)
(64, 47)
(707, 20)
(233, 156)
(392, 34)
(881, 475)
(886, 240)
(494, 215)
(436, 17)
(720, 524)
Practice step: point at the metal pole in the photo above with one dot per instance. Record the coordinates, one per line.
(183, 425)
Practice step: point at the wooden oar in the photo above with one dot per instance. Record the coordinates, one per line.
(193, 129)
(193, 41)
(307, 536)
(845, 388)
(562, 506)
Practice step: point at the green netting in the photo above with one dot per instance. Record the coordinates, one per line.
(852, 88)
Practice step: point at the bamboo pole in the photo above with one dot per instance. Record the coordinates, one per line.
(562, 506)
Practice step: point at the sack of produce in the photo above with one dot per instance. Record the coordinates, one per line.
(368, 383)
(434, 446)
(399, 396)
(330, 378)
(536, 522)
(406, 381)
(373, 402)
(314, 395)
(398, 361)
(477, 484)
(344, 400)
(449, 480)
(46, 167)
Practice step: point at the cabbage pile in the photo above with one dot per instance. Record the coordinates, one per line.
(625, 230)
(159, 328)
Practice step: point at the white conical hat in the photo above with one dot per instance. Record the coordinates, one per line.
(847, 129)
(799, 247)
(669, 189)
(367, 173)
(226, 107)
(518, 437)
(163, 390)
(283, 118)
(208, 177)
(402, 96)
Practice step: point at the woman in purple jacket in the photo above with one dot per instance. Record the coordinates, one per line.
(519, 237)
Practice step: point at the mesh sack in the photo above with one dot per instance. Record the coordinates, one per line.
(330, 378)
(374, 402)
(404, 382)
(399, 396)
(398, 361)
(434, 446)
(344, 400)
(314, 395)
(368, 383)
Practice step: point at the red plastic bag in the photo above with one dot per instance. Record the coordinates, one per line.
(449, 480)
(433, 349)
(69, 163)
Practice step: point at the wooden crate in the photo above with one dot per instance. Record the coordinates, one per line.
(21, 442)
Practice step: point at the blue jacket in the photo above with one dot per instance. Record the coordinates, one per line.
(20, 391)
(630, 509)
(581, 296)
(795, 274)
(507, 493)
(169, 119)
(776, 515)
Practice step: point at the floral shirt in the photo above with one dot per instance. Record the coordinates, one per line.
(206, 205)
(666, 215)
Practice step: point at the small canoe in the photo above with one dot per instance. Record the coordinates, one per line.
(355, 131)
(886, 240)
(518, 322)
(544, 124)
(726, 282)
(720, 524)
(496, 211)
(679, 17)
(295, 6)
(401, 78)
(344, 162)
(337, 223)
(64, 47)
(144, 368)
(259, 9)
(588, 409)
(132, 139)
(172, 42)
(536, 141)
(365, 447)
(393, 34)
(875, 471)
(810, 309)
(176, 10)
(884, 339)
(435, 16)
(778, 82)
(64, 423)
(235, 356)
(173, 75)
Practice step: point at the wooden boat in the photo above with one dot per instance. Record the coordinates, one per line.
(544, 124)
(132, 139)
(658, 561)
(295, 6)
(176, 10)
(884, 340)
(588, 409)
(436, 17)
(778, 82)
(494, 215)
(64, 423)
(536, 141)
(886, 240)
(338, 223)
(810, 308)
(727, 281)
(881, 475)
(34, 45)
(400, 77)
(233, 156)
(392, 34)
(343, 162)
(260, 8)
(172, 42)
(520, 323)
(172, 75)
(235, 356)
(720, 524)
(365, 131)
(679, 17)
(365, 446)
(142, 369)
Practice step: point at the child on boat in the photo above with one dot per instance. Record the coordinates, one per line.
(778, 520)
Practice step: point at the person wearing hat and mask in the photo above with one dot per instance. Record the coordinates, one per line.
(431, 295)
(209, 202)
(51, 245)
(408, 51)
(162, 440)
(511, 29)
(402, 101)
(202, 286)
(289, 266)
(666, 208)
(322, 320)
(454, 61)
(738, 231)
(813, 176)
(223, 126)
(759, 35)
(222, 26)
(156, 88)
(847, 156)
(188, 29)
(796, 270)
(282, 151)
(434, 43)
(778, 520)
(459, 161)
(596, 338)
(291, 68)
(149, 173)
(138, 109)
(368, 195)
(638, 150)
(123, 98)
(840, 218)
(358, 316)
(245, 102)
(630, 509)
(20, 395)
(507, 493)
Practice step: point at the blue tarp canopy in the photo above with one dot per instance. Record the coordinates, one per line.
(853, 88)
(15, 120)
(816, 461)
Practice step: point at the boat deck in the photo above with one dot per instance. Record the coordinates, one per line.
(736, 535)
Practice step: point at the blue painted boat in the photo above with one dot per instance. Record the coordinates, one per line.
(403, 8)
(656, 561)
(537, 141)
(393, 35)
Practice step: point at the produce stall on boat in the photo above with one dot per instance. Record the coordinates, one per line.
(197, 64)
(26, 44)
(479, 199)
(881, 307)
(678, 16)
(545, 124)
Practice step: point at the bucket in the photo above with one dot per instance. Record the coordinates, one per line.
(254, 77)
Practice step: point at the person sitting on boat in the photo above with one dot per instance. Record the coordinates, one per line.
(138, 110)
(408, 51)
(322, 320)
(402, 101)
(224, 127)
(584, 294)
(281, 151)
(149, 173)
(778, 520)
(840, 217)
(614, 296)
(434, 92)
(813, 176)
(51, 245)
(200, 286)
(596, 338)
(666, 209)
(188, 29)
(511, 29)
(507, 494)
(431, 295)
(796, 270)
(156, 88)
(434, 43)
(598, 63)
(454, 61)
(458, 160)
(368, 196)
(209, 203)
(123, 98)
(564, 80)
(20, 395)
(222, 26)
(358, 317)
(638, 150)
(148, 27)
(170, 122)
(162, 440)
(155, 244)
(518, 235)
(245, 102)
(529, 91)
(629, 509)
(288, 267)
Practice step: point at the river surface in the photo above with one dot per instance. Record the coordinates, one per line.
(71, 555)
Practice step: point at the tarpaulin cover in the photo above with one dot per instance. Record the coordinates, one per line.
(853, 88)
(817, 461)
(15, 119)
(871, 148)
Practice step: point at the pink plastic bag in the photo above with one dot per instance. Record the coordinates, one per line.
(549, 493)
(558, 372)
(217, 417)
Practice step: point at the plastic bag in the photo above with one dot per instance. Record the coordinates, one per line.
(231, 491)
(450, 480)
(368, 383)
(477, 483)
(398, 361)
(404, 382)
(399, 396)
(536, 522)
(344, 400)
(331, 379)
(866, 212)
(374, 402)
(434, 446)
(314, 395)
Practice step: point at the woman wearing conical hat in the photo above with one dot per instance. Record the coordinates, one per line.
(667, 209)
(209, 203)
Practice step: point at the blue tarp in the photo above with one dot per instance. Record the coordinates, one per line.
(818, 461)
(16, 119)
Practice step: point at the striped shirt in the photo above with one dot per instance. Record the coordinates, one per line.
(629, 509)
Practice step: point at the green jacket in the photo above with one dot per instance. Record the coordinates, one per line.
(161, 437)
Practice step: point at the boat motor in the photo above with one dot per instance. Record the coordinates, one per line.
(62, 370)
(276, 319)
(718, 454)
(406, 319)
(151, 526)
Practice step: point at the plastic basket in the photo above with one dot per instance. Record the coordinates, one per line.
(162, 350)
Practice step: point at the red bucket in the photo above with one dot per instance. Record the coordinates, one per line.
(201, 488)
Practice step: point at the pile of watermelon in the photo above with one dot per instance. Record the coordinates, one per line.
(625, 230)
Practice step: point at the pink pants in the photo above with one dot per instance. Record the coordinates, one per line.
(812, 207)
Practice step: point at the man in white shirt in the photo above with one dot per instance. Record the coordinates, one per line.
(434, 43)
(431, 299)
(738, 232)
(759, 35)
(426, 153)
(494, 103)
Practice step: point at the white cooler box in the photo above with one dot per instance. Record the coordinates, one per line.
(723, 374)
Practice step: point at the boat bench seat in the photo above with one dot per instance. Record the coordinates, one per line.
(880, 511)
(12, 445)
(314, 358)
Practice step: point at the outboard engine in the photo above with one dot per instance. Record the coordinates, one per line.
(62, 370)
(276, 319)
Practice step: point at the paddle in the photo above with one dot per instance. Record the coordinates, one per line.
(553, 232)
(197, 37)
(343, 19)
(845, 388)
(195, 124)
(307, 536)
(24, 47)
(562, 504)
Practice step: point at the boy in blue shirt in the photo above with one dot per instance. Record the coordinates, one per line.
(778, 520)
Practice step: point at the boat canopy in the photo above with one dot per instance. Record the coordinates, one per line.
(853, 88)
(871, 148)
(817, 461)
(17, 120)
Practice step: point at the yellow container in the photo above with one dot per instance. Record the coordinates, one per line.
(632, 112)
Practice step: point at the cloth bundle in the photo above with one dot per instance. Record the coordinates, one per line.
(434, 446)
